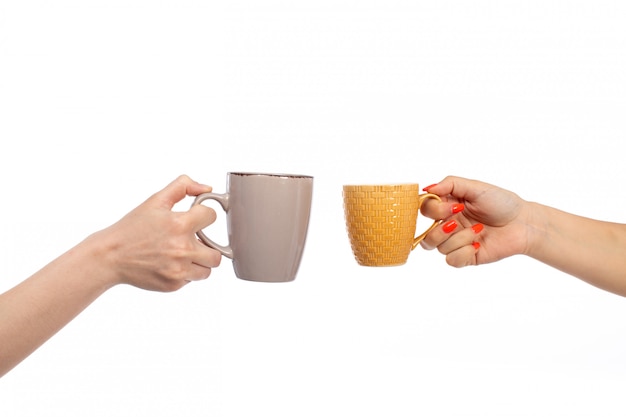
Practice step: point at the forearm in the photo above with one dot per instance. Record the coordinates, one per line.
(591, 250)
(151, 247)
(40, 306)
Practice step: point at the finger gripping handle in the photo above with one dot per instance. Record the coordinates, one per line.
(223, 199)
(422, 198)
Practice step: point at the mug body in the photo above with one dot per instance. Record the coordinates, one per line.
(267, 221)
(381, 221)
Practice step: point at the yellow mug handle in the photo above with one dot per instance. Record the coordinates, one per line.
(436, 223)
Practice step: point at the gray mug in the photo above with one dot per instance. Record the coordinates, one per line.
(267, 218)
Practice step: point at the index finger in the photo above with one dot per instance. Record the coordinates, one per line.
(459, 188)
(454, 191)
(178, 189)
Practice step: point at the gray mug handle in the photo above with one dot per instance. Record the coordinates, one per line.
(223, 199)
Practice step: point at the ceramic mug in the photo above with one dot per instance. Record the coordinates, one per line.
(267, 218)
(381, 222)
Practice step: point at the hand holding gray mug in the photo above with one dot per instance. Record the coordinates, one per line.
(267, 218)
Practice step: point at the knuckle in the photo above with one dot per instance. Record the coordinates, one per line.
(183, 178)
(179, 223)
(176, 272)
(167, 284)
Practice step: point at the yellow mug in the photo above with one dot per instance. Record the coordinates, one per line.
(381, 222)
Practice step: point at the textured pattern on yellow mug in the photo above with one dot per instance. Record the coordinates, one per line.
(380, 221)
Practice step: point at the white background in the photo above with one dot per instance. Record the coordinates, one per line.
(103, 103)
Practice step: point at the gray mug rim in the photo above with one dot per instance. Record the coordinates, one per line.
(266, 174)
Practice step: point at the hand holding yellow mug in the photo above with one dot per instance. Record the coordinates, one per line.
(381, 222)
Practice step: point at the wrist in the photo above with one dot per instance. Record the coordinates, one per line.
(536, 224)
(99, 252)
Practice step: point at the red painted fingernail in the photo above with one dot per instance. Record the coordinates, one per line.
(478, 227)
(476, 245)
(429, 187)
(457, 208)
(449, 226)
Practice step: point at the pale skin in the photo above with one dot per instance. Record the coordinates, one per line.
(152, 248)
(589, 249)
(156, 249)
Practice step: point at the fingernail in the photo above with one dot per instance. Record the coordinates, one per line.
(449, 226)
(478, 227)
(429, 187)
(476, 245)
(457, 208)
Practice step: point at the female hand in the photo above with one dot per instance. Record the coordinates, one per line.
(154, 248)
(483, 223)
